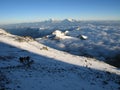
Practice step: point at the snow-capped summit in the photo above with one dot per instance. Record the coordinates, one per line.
(68, 21)
(58, 33)
(71, 20)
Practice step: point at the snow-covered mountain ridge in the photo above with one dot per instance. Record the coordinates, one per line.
(52, 69)
(102, 42)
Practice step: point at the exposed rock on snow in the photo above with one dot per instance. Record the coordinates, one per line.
(83, 37)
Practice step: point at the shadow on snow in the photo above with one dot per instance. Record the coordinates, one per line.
(51, 67)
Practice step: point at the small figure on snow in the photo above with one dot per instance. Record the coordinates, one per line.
(26, 61)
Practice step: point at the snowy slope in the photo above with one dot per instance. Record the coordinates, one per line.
(52, 69)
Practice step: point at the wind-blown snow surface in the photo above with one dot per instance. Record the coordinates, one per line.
(52, 69)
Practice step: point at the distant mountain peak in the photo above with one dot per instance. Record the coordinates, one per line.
(69, 20)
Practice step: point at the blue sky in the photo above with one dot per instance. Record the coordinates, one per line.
(12, 11)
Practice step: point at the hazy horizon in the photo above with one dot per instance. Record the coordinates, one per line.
(54, 20)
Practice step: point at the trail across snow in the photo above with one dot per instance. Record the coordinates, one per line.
(52, 69)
